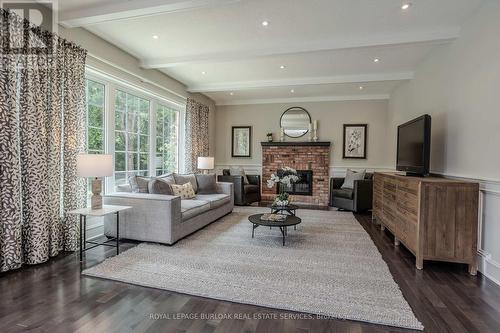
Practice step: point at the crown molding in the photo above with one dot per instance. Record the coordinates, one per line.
(305, 99)
(243, 85)
(122, 10)
(443, 35)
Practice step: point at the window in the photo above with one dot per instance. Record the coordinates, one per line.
(131, 136)
(95, 117)
(167, 139)
(95, 99)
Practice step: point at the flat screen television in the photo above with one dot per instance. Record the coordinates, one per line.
(414, 146)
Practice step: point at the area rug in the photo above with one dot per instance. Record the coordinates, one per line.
(329, 266)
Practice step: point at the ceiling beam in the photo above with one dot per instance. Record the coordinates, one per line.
(131, 9)
(443, 35)
(304, 99)
(244, 85)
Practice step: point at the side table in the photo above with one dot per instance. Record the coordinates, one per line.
(105, 210)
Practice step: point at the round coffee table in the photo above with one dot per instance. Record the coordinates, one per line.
(290, 220)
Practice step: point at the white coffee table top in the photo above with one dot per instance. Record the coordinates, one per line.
(105, 210)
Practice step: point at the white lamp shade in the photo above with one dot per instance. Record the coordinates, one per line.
(94, 165)
(206, 163)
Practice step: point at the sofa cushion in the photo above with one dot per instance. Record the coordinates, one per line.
(251, 189)
(139, 184)
(351, 176)
(184, 191)
(192, 207)
(345, 193)
(215, 200)
(206, 184)
(189, 178)
(168, 178)
(159, 186)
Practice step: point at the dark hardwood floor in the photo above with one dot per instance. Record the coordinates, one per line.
(54, 297)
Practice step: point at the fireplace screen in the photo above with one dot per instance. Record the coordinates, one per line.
(303, 186)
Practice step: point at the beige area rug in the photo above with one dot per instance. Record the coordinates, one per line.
(329, 266)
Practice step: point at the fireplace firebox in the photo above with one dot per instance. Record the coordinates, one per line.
(303, 187)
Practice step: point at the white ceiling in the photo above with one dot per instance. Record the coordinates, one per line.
(219, 47)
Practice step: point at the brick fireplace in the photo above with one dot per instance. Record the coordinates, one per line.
(305, 156)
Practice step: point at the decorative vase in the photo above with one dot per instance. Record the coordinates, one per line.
(269, 138)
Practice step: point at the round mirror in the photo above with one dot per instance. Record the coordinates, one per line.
(295, 122)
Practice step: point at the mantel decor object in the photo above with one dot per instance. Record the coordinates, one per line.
(295, 122)
(315, 129)
(269, 137)
(95, 166)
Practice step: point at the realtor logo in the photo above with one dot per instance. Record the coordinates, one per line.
(32, 39)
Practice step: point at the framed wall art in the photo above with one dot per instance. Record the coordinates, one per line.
(241, 143)
(355, 141)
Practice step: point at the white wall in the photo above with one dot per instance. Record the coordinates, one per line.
(331, 116)
(459, 86)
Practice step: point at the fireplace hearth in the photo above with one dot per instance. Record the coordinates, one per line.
(303, 187)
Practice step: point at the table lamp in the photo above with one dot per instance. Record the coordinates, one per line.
(94, 166)
(205, 164)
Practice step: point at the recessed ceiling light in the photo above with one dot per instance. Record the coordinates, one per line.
(265, 23)
(292, 91)
(282, 66)
(376, 60)
(203, 73)
(155, 37)
(360, 87)
(406, 6)
(231, 93)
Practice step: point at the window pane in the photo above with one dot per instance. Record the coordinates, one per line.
(95, 116)
(132, 133)
(95, 139)
(143, 144)
(120, 102)
(132, 123)
(144, 162)
(120, 162)
(132, 142)
(95, 93)
(167, 138)
(120, 178)
(120, 121)
(119, 141)
(143, 124)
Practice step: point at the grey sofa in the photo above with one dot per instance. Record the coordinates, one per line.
(357, 199)
(244, 194)
(166, 218)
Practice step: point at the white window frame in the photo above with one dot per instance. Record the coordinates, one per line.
(111, 85)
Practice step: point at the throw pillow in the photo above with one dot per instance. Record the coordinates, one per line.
(139, 184)
(185, 191)
(168, 178)
(239, 171)
(206, 184)
(189, 178)
(159, 186)
(350, 177)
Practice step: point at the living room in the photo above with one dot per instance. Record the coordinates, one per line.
(253, 166)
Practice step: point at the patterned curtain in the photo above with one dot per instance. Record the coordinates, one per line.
(42, 129)
(196, 133)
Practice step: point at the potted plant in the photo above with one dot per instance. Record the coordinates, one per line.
(269, 137)
(287, 178)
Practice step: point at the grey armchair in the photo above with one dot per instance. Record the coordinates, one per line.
(244, 194)
(357, 199)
